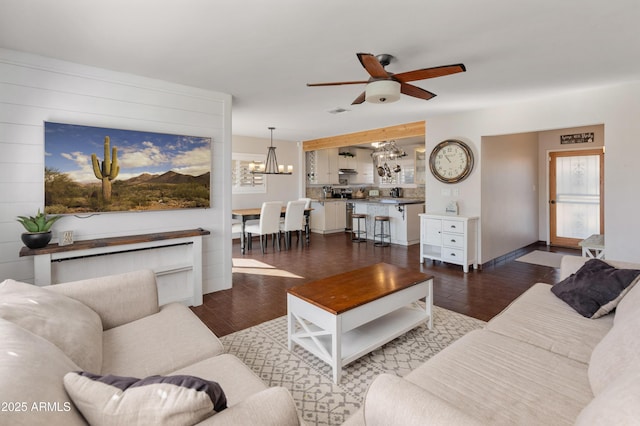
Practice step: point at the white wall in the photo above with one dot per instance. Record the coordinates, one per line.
(617, 107)
(509, 193)
(35, 89)
(279, 188)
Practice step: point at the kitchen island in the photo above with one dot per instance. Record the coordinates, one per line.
(328, 215)
(404, 219)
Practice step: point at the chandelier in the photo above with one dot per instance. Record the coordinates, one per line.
(270, 167)
(385, 153)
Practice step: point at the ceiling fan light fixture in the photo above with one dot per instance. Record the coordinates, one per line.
(383, 91)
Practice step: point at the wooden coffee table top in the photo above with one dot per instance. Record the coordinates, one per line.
(339, 293)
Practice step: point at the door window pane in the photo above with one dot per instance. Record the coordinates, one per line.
(577, 196)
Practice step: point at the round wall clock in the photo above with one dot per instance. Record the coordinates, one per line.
(451, 161)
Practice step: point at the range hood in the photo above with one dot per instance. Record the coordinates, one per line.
(347, 172)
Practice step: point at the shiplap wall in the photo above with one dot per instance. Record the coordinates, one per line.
(35, 89)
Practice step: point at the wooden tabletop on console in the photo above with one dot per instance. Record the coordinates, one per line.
(342, 292)
(114, 241)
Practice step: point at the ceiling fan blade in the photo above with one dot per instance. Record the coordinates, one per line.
(416, 92)
(359, 99)
(372, 65)
(337, 83)
(429, 73)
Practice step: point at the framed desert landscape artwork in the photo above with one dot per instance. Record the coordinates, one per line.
(95, 169)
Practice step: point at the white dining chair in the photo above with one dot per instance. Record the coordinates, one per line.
(269, 223)
(307, 202)
(293, 221)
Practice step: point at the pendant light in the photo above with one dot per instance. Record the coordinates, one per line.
(270, 167)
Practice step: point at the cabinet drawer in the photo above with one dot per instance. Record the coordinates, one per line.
(452, 255)
(453, 226)
(452, 240)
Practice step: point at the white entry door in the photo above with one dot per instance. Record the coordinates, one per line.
(576, 208)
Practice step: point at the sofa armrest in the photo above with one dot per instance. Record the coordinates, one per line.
(391, 400)
(118, 299)
(570, 264)
(273, 406)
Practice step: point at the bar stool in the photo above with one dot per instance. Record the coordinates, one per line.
(356, 235)
(382, 235)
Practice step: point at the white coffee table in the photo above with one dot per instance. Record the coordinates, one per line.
(343, 317)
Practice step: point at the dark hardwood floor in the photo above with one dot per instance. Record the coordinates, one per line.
(260, 281)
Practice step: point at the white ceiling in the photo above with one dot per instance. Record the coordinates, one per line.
(264, 52)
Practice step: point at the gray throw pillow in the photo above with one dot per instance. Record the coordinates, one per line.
(596, 288)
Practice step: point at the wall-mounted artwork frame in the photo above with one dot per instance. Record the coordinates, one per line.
(95, 169)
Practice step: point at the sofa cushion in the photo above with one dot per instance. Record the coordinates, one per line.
(32, 370)
(73, 327)
(541, 319)
(237, 380)
(596, 288)
(617, 404)
(502, 381)
(117, 400)
(158, 344)
(617, 355)
(119, 298)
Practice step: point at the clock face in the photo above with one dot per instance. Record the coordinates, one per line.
(451, 161)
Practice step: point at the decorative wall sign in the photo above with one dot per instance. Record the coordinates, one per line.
(95, 169)
(577, 138)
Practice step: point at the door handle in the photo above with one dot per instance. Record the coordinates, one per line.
(552, 201)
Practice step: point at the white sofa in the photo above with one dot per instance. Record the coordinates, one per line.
(538, 362)
(113, 325)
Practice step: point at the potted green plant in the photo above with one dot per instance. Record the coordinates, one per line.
(38, 229)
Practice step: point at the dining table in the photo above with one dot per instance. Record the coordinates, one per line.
(245, 215)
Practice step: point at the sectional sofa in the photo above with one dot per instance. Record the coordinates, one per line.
(103, 351)
(539, 362)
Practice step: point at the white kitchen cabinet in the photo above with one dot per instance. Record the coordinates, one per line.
(326, 165)
(449, 238)
(346, 159)
(328, 216)
(364, 167)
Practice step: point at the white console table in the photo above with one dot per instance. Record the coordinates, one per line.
(593, 246)
(166, 253)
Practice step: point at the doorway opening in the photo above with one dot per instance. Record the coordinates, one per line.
(576, 196)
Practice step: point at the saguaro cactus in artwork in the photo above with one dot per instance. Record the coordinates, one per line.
(109, 170)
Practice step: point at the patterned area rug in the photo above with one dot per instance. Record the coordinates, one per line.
(320, 402)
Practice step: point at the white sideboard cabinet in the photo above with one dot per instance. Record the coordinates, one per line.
(449, 238)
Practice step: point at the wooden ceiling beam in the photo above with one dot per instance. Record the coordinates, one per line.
(375, 135)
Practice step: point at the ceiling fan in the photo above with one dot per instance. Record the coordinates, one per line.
(385, 87)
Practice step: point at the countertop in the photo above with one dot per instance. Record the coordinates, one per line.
(381, 200)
